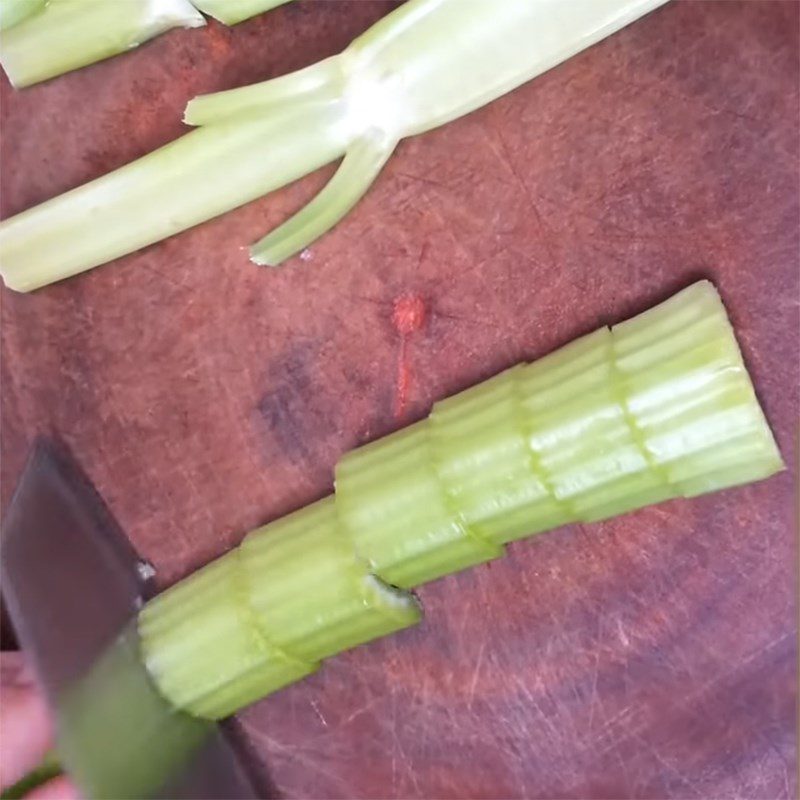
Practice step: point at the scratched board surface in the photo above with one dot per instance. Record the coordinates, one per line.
(648, 656)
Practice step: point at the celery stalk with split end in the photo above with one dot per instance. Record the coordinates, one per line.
(658, 407)
(14, 11)
(67, 34)
(232, 11)
(423, 65)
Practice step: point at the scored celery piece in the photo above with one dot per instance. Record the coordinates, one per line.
(657, 407)
(203, 646)
(313, 597)
(483, 461)
(14, 11)
(232, 11)
(68, 34)
(392, 504)
(115, 701)
(691, 396)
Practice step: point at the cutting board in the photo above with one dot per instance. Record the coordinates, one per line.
(648, 656)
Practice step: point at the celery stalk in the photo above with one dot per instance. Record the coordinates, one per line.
(313, 597)
(203, 646)
(14, 11)
(482, 458)
(657, 407)
(68, 34)
(424, 64)
(232, 11)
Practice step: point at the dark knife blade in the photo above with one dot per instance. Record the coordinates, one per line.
(73, 586)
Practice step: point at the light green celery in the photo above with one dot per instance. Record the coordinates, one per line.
(113, 702)
(323, 81)
(424, 64)
(14, 11)
(232, 11)
(192, 179)
(204, 648)
(361, 165)
(579, 434)
(657, 407)
(393, 506)
(691, 396)
(482, 458)
(312, 596)
(68, 34)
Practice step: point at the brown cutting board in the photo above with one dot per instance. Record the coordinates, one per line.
(648, 656)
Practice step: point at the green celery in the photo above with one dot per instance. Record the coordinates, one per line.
(204, 648)
(400, 519)
(482, 459)
(313, 597)
(657, 407)
(215, 168)
(67, 34)
(14, 11)
(423, 65)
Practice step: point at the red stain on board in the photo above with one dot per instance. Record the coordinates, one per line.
(408, 317)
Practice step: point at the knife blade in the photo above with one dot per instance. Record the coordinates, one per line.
(73, 585)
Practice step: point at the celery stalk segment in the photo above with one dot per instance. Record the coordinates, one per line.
(660, 406)
(424, 64)
(232, 11)
(67, 34)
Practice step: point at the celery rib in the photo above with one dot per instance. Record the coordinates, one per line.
(203, 649)
(392, 506)
(319, 83)
(231, 12)
(656, 407)
(65, 35)
(204, 173)
(14, 11)
(362, 162)
(421, 66)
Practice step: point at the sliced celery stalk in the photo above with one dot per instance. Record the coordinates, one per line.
(68, 34)
(115, 702)
(313, 597)
(691, 396)
(482, 458)
(232, 11)
(424, 64)
(203, 646)
(14, 11)
(391, 503)
(657, 407)
(192, 179)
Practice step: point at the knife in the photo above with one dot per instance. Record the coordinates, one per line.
(73, 585)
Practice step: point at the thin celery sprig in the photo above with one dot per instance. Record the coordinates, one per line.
(424, 64)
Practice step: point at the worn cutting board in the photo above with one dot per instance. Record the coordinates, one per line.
(649, 656)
